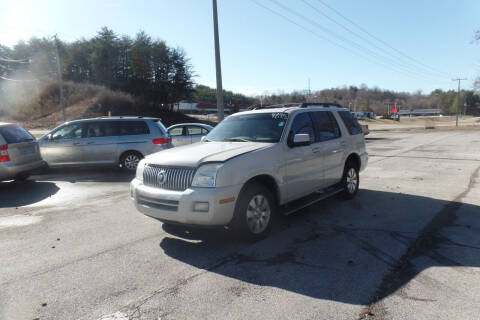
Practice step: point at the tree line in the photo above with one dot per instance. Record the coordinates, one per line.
(141, 66)
(377, 100)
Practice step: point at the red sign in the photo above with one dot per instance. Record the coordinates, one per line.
(394, 110)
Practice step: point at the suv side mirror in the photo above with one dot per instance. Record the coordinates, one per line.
(202, 138)
(301, 139)
(49, 137)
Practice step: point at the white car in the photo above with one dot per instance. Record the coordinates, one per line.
(252, 166)
(188, 133)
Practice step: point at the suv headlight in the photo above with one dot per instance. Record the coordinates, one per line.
(206, 175)
(140, 167)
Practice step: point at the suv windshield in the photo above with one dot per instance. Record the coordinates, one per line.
(258, 127)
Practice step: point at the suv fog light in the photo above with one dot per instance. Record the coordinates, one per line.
(200, 206)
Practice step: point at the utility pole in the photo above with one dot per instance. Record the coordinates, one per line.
(458, 98)
(217, 63)
(59, 78)
(309, 92)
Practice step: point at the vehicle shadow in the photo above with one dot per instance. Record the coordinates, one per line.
(86, 174)
(16, 194)
(356, 252)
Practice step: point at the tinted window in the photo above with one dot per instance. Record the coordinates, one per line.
(102, 129)
(70, 131)
(194, 130)
(15, 133)
(177, 131)
(133, 128)
(302, 123)
(350, 122)
(325, 125)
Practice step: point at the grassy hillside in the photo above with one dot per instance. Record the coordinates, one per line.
(86, 101)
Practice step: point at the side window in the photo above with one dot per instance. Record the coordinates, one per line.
(194, 130)
(134, 128)
(102, 129)
(204, 131)
(302, 123)
(325, 125)
(350, 122)
(177, 131)
(70, 131)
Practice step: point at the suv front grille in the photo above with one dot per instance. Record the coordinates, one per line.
(170, 178)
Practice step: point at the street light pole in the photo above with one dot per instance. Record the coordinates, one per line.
(217, 63)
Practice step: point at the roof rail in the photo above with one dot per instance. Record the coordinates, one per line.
(282, 105)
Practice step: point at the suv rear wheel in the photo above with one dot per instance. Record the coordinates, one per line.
(350, 181)
(129, 160)
(254, 212)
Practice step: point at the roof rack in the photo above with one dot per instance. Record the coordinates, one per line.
(282, 105)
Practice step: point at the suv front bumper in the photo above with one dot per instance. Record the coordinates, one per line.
(178, 206)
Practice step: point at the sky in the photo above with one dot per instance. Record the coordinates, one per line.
(410, 45)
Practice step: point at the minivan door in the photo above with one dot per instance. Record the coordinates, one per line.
(63, 146)
(100, 145)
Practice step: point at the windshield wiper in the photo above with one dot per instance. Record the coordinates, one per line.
(236, 140)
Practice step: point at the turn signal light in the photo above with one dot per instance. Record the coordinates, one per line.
(160, 140)
(4, 157)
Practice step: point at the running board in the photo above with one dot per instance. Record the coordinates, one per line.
(304, 202)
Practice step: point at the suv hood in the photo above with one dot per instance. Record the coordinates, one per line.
(194, 154)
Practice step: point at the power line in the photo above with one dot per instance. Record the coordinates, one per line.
(320, 12)
(350, 42)
(325, 39)
(380, 40)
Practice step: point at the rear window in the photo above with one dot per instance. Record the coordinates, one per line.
(350, 122)
(15, 134)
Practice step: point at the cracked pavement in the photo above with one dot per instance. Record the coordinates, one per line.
(406, 248)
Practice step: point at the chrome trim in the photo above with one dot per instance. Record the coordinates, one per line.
(176, 178)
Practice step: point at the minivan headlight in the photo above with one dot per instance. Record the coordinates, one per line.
(206, 175)
(140, 167)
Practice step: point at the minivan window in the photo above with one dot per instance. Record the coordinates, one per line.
(177, 131)
(134, 128)
(302, 123)
(15, 134)
(326, 125)
(69, 131)
(102, 128)
(350, 122)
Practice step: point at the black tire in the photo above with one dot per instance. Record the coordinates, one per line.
(129, 160)
(251, 223)
(350, 181)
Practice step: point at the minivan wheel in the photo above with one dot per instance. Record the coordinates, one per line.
(254, 212)
(350, 181)
(130, 160)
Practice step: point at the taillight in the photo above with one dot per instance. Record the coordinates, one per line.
(161, 140)
(4, 157)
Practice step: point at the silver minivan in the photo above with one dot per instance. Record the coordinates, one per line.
(120, 141)
(19, 153)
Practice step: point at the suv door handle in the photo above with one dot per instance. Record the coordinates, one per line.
(315, 150)
(343, 143)
(90, 142)
(76, 143)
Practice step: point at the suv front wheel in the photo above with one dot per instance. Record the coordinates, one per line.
(254, 212)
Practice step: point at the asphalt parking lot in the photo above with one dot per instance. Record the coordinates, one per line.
(72, 246)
